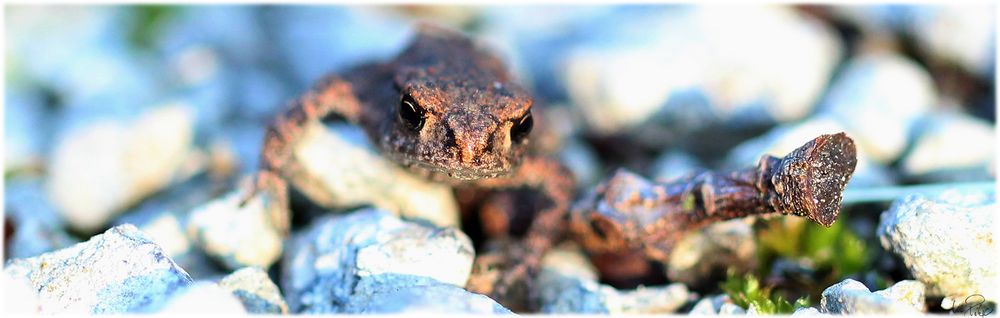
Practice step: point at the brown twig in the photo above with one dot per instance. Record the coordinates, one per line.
(629, 212)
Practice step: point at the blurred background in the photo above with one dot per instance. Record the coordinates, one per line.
(661, 90)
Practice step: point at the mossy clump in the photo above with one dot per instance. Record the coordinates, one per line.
(746, 290)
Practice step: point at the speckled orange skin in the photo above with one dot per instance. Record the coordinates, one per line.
(470, 105)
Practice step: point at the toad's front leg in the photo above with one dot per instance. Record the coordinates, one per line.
(501, 273)
(332, 96)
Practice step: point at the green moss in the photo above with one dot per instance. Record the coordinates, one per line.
(148, 20)
(746, 290)
(831, 253)
(688, 202)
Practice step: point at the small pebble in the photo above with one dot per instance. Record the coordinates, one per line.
(98, 170)
(119, 271)
(568, 284)
(716, 248)
(865, 98)
(26, 128)
(237, 236)
(952, 147)
(674, 164)
(807, 311)
(852, 297)
(203, 298)
(933, 28)
(256, 291)
(633, 67)
(339, 257)
(432, 298)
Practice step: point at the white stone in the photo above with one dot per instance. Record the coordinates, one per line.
(203, 298)
(26, 127)
(703, 307)
(852, 297)
(731, 309)
(432, 298)
(947, 241)
(674, 164)
(237, 236)
(167, 231)
(568, 285)
(877, 97)
(934, 28)
(18, 295)
(950, 141)
(367, 252)
(776, 56)
(580, 158)
(728, 244)
(342, 169)
(806, 311)
(909, 292)
(97, 170)
(119, 271)
(256, 291)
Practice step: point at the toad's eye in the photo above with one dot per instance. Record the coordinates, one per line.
(410, 114)
(521, 128)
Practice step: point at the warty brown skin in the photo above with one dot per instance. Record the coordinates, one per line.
(449, 111)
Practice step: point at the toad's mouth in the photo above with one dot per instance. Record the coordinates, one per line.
(461, 172)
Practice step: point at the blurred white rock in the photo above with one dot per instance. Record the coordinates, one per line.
(877, 98)
(97, 170)
(716, 305)
(936, 27)
(746, 61)
(237, 236)
(318, 40)
(164, 218)
(342, 169)
(203, 298)
(716, 248)
(167, 231)
(26, 128)
(568, 285)
(731, 309)
(806, 311)
(673, 164)
(256, 291)
(580, 158)
(47, 41)
(951, 145)
(530, 39)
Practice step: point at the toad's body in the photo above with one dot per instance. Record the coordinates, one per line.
(447, 110)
